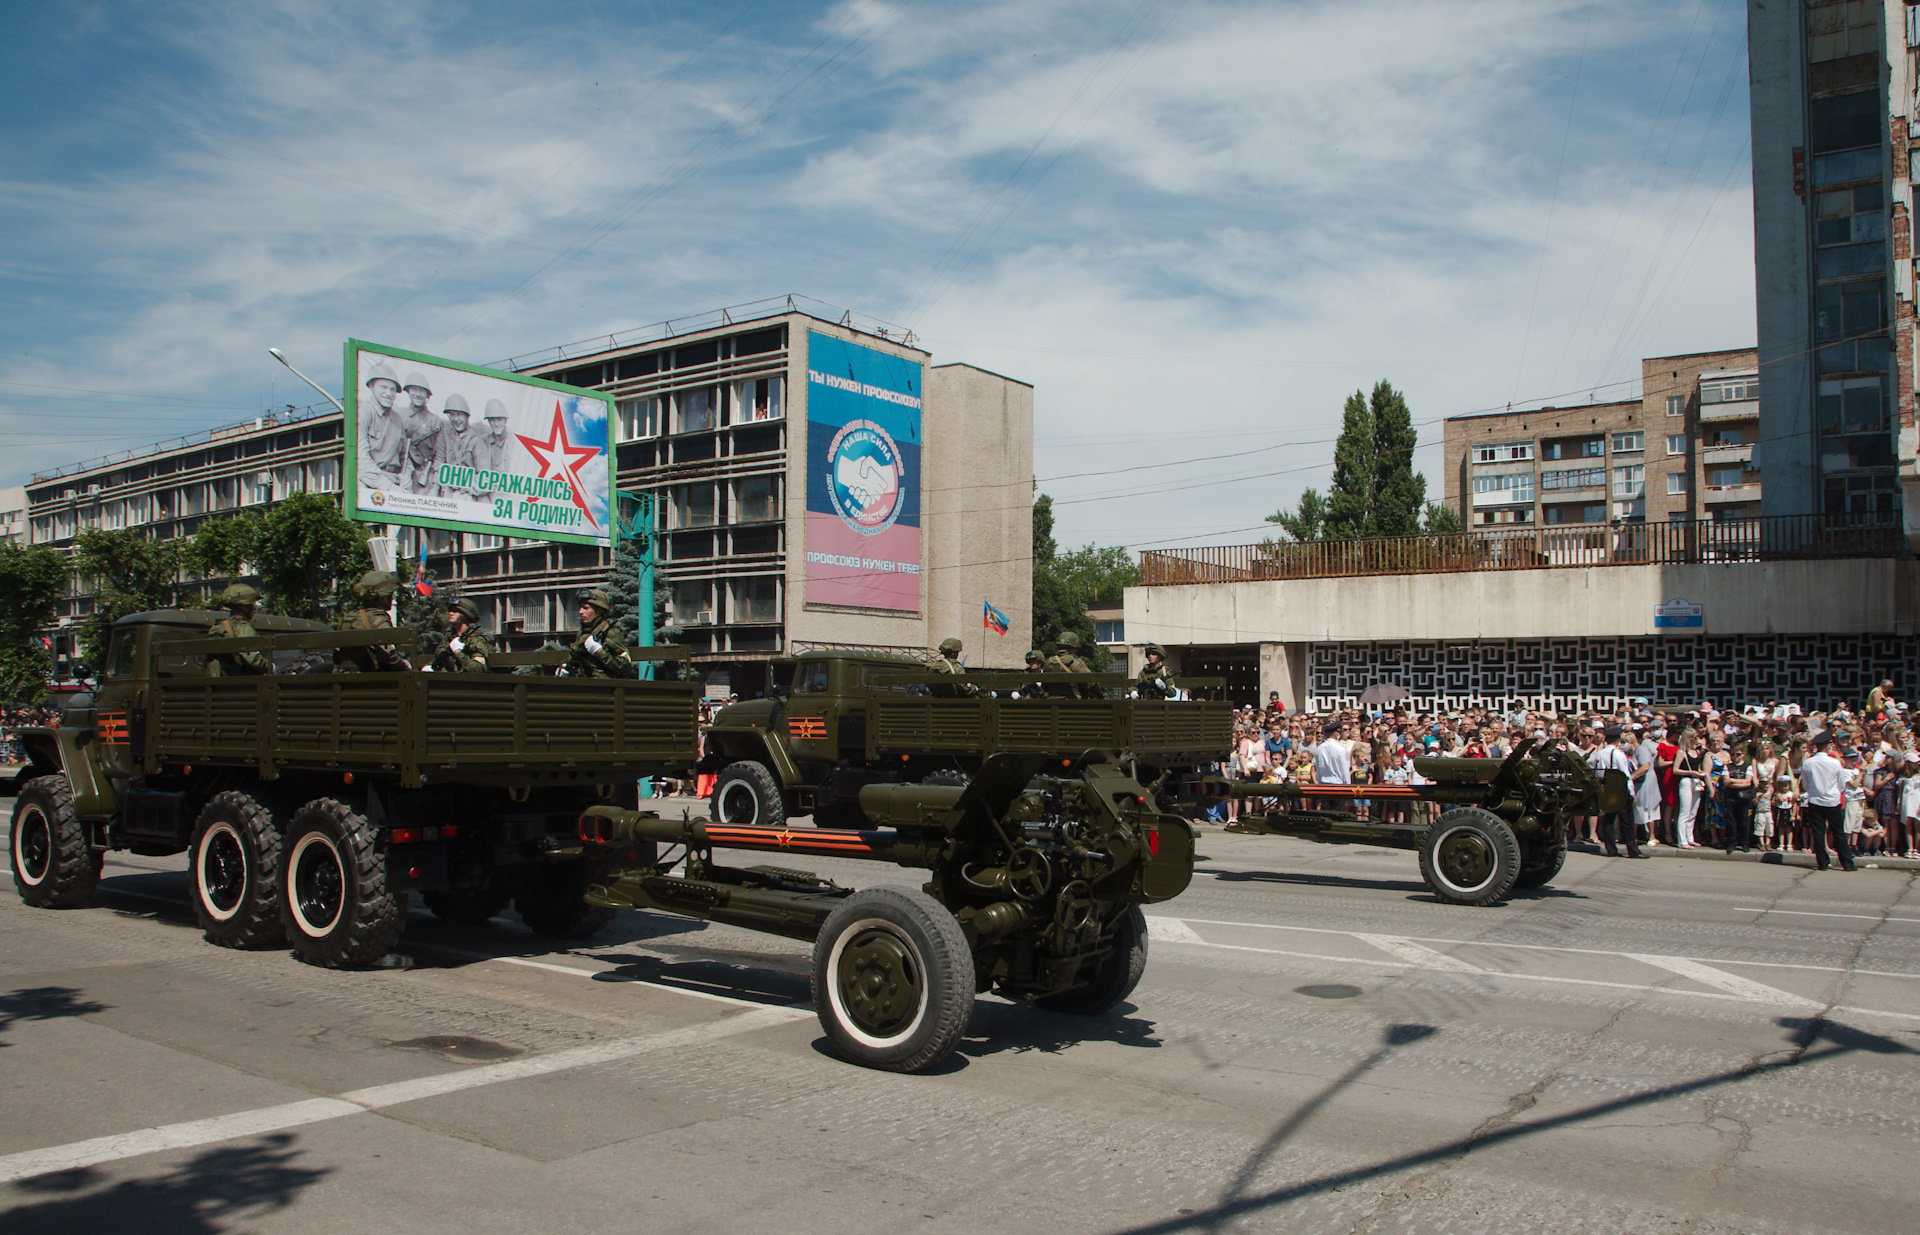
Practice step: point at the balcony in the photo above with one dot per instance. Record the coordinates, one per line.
(1714, 413)
(1715, 495)
(1726, 456)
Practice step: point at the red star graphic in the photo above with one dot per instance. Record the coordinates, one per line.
(571, 458)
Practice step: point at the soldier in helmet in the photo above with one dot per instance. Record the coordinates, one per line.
(1067, 660)
(383, 433)
(949, 662)
(239, 601)
(1036, 663)
(491, 452)
(467, 650)
(599, 650)
(423, 431)
(1154, 681)
(373, 590)
(459, 447)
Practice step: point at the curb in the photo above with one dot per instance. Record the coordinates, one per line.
(1765, 857)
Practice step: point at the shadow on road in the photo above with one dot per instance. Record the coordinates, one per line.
(43, 1003)
(1317, 881)
(233, 1185)
(1000, 1028)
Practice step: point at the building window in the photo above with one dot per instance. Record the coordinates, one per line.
(695, 410)
(1635, 509)
(1580, 478)
(1851, 405)
(526, 611)
(693, 603)
(1860, 495)
(755, 499)
(1629, 443)
(286, 481)
(1577, 512)
(1523, 514)
(480, 540)
(1724, 437)
(1509, 487)
(1676, 444)
(258, 488)
(1730, 390)
(323, 476)
(691, 506)
(1110, 632)
(1850, 216)
(1505, 452)
(637, 418)
(1630, 481)
(1588, 448)
(1838, 30)
(1676, 483)
(754, 600)
(758, 399)
(1676, 405)
(1849, 310)
(1725, 477)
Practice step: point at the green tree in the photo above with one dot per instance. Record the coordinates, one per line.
(1307, 523)
(1350, 499)
(31, 579)
(1441, 520)
(1065, 584)
(1376, 490)
(1043, 546)
(221, 548)
(1097, 573)
(308, 555)
(131, 574)
(1399, 491)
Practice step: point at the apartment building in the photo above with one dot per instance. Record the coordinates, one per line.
(13, 515)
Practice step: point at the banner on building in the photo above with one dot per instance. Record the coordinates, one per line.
(436, 443)
(863, 476)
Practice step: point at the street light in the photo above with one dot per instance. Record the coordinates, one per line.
(275, 353)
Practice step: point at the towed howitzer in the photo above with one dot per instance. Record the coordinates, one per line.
(1037, 871)
(1505, 827)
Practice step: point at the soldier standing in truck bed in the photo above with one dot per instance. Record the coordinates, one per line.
(1154, 681)
(949, 662)
(375, 587)
(599, 650)
(239, 601)
(468, 649)
(1067, 660)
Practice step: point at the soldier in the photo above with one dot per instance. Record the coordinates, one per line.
(468, 649)
(1154, 681)
(458, 447)
(949, 662)
(599, 650)
(491, 452)
(1067, 660)
(375, 587)
(423, 430)
(1036, 663)
(239, 601)
(384, 436)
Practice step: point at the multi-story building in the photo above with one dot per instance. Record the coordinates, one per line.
(711, 423)
(13, 515)
(1688, 448)
(1832, 94)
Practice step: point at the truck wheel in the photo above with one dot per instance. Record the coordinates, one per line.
(236, 872)
(53, 867)
(1541, 875)
(552, 907)
(466, 908)
(746, 794)
(892, 980)
(1118, 974)
(337, 909)
(1470, 857)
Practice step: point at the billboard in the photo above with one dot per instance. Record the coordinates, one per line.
(436, 443)
(863, 476)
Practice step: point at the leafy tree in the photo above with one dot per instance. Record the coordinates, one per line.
(1097, 573)
(31, 579)
(222, 548)
(309, 554)
(133, 574)
(1309, 522)
(1376, 491)
(1065, 584)
(1399, 492)
(1441, 520)
(1043, 545)
(1355, 456)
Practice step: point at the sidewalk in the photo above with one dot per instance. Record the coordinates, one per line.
(1771, 857)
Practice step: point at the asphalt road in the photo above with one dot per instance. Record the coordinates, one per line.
(1318, 1045)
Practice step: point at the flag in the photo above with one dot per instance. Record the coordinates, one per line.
(994, 620)
(420, 583)
(46, 644)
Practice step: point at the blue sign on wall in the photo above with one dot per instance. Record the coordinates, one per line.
(1678, 613)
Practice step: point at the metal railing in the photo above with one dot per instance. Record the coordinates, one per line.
(1780, 538)
(732, 315)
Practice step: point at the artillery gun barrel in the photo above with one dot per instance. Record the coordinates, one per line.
(611, 825)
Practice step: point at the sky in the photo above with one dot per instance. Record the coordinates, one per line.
(1194, 227)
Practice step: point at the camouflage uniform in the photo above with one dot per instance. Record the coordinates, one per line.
(237, 626)
(1067, 660)
(949, 662)
(374, 585)
(1154, 681)
(475, 646)
(612, 659)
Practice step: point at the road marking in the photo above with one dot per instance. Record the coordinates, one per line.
(100, 1149)
(1720, 979)
(1803, 913)
(1417, 954)
(1172, 930)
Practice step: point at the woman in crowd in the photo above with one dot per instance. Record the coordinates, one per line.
(1690, 770)
(1766, 779)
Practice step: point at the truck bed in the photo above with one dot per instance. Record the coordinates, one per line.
(1183, 731)
(446, 727)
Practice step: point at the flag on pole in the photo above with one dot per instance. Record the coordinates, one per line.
(420, 583)
(994, 620)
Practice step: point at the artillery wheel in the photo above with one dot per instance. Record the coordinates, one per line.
(467, 908)
(237, 845)
(1542, 874)
(53, 866)
(892, 980)
(1470, 857)
(551, 905)
(1118, 974)
(745, 794)
(334, 898)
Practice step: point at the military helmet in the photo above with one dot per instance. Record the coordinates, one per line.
(381, 370)
(950, 647)
(1154, 649)
(1035, 655)
(1070, 640)
(239, 594)
(376, 583)
(416, 378)
(455, 403)
(496, 410)
(595, 596)
(465, 608)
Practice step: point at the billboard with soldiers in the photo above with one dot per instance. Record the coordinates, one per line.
(863, 476)
(436, 443)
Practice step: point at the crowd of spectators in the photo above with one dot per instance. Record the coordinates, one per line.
(1702, 776)
(12, 720)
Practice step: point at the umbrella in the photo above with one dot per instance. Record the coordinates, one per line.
(1385, 692)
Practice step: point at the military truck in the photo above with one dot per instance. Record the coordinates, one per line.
(836, 722)
(311, 804)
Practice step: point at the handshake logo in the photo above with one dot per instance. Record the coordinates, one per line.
(864, 477)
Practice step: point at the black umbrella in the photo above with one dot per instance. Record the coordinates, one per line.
(1385, 692)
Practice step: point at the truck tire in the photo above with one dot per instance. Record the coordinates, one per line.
(1470, 857)
(236, 852)
(467, 908)
(552, 907)
(1118, 974)
(53, 866)
(893, 980)
(746, 794)
(334, 898)
(1542, 874)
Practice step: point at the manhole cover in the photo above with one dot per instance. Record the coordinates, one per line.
(459, 1046)
(1332, 991)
